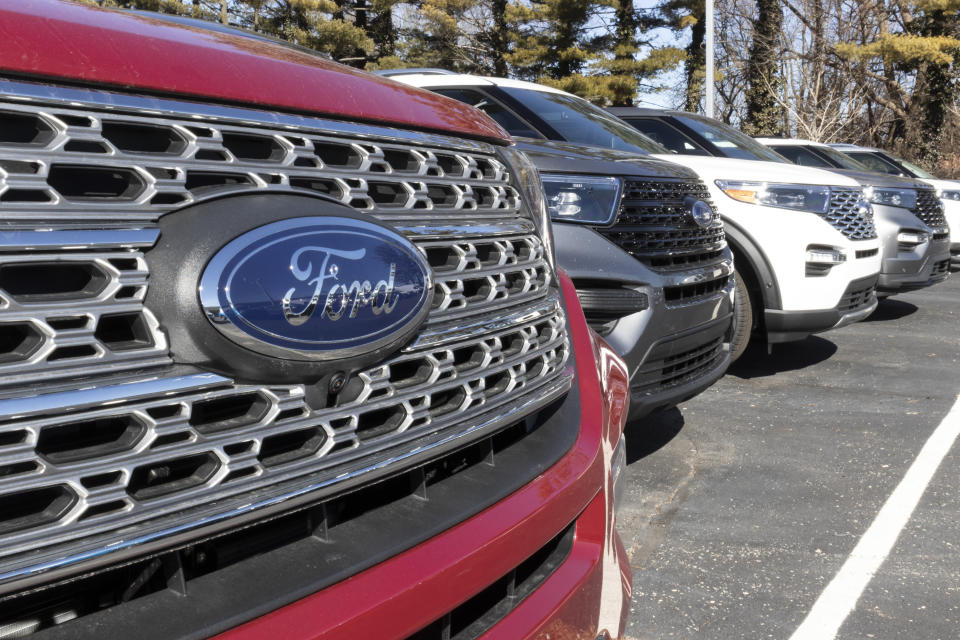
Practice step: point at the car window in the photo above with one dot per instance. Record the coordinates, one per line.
(577, 120)
(507, 119)
(914, 169)
(875, 162)
(729, 141)
(670, 137)
(801, 156)
(839, 159)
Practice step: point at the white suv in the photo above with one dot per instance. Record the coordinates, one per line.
(807, 253)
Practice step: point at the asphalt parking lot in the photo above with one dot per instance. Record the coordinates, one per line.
(745, 502)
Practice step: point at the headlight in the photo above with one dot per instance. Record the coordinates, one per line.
(800, 197)
(527, 179)
(586, 199)
(950, 195)
(906, 198)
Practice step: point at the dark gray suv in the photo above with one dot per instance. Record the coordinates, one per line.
(640, 237)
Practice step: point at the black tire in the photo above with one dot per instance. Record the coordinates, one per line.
(742, 326)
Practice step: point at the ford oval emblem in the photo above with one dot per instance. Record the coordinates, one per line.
(701, 212)
(317, 288)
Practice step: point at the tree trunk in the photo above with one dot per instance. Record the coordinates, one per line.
(624, 44)
(765, 114)
(695, 66)
(498, 37)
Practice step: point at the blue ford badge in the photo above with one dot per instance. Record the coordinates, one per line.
(316, 288)
(701, 211)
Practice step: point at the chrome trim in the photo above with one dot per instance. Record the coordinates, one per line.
(696, 275)
(77, 239)
(856, 316)
(433, 337)
(136, 389)
(467, 230)
(72, 97)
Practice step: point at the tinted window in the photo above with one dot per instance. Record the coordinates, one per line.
(729, 141)
(914, 169)
(800, 156)
(576, 120)
(875, 162)
(841, 160)
(673, 139)
(504, 117)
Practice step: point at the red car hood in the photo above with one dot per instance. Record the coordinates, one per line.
(81, 44)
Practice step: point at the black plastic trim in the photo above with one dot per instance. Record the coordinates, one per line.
(742, 243)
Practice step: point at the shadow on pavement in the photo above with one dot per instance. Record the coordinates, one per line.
(649, 434)
(756, 363)
(891, 310)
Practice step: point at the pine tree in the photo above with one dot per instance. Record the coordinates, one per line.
(765, 113)
(549, 37)
(322, 25)
(625, 71)
(441, 38)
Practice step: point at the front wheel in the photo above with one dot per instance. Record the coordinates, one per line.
(742, 326)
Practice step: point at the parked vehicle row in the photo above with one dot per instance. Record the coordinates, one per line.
(805, 241)
(307, 353)
(907, 212)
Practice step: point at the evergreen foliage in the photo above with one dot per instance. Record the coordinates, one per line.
(765, 113)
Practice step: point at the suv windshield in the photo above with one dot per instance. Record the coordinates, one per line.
(576, 120)
(802, 156)
(842, 160)
(914, 169)
(876, 162)
(729, 141)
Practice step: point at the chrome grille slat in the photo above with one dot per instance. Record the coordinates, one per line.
(493, 348)
(279, 398)
(846, 217)
(353, 181)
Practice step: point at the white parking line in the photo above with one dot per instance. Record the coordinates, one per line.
(841, 595)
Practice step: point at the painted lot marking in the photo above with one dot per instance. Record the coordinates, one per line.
(841, 595)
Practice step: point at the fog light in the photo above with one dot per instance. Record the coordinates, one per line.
(910, 239)
(820, 259)
(826, 256)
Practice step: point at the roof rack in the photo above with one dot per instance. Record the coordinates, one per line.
(429, 71)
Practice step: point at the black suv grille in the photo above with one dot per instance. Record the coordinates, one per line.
(658, 375)
(656, 227)
(929, 209)
(941, 268)
(846, 216)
